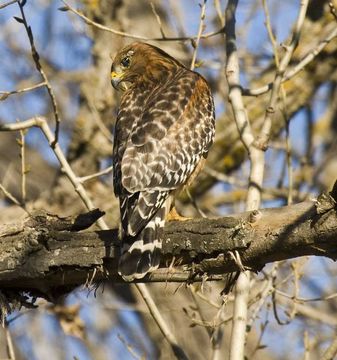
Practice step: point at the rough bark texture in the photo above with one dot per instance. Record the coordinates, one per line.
(50, 255)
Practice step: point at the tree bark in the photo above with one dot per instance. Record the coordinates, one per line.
(49, 255)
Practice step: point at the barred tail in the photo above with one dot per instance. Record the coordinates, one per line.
(141, 252)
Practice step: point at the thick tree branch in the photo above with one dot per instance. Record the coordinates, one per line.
(48, 254)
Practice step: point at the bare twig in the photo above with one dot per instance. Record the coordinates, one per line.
(218, 10)
(293, 312)
(178, 351)
(195, 42)
(2, 6)
(281, 66)
(9, 195)
(331, 351)
(10, 347)
(207, 300)
(263, 328)
(24, 170)
(306, 343)
(41, 123)
(98, 174)
(195, 204)
(288, 154)
(203, 322)
(264, 136)
(96, 116)
(270, 32)
(4, 94)
(310, 312)
(139, 37)
(177, 12)
(301, 300)
(209, 326)
(333, 10)
(155, 13)
(39, 68)
(296, 69)
(283, 96)
(227, 179)
(262, 297)
(217, 339)
(130, 349)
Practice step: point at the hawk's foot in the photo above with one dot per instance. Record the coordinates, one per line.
(174, 215)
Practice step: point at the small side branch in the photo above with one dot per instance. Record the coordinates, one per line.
(281, 69)
(5, 94)
(36, 58)
(200, 30)
(134, 36)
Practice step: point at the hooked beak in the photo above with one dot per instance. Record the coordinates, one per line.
(116, 79)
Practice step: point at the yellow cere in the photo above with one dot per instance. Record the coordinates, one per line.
(115, 75)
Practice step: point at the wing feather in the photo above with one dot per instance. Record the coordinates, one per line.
(172, 134)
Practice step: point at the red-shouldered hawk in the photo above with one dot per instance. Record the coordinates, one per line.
(164, 129)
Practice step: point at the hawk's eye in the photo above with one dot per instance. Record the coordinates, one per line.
(125, 62)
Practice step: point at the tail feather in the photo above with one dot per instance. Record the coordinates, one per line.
(141, 253)
(148, 204)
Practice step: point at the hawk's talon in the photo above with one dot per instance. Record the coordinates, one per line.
(173, 215)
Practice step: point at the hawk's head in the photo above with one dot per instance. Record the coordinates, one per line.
(140, 62)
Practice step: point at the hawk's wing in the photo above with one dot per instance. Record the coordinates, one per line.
(172, 132)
